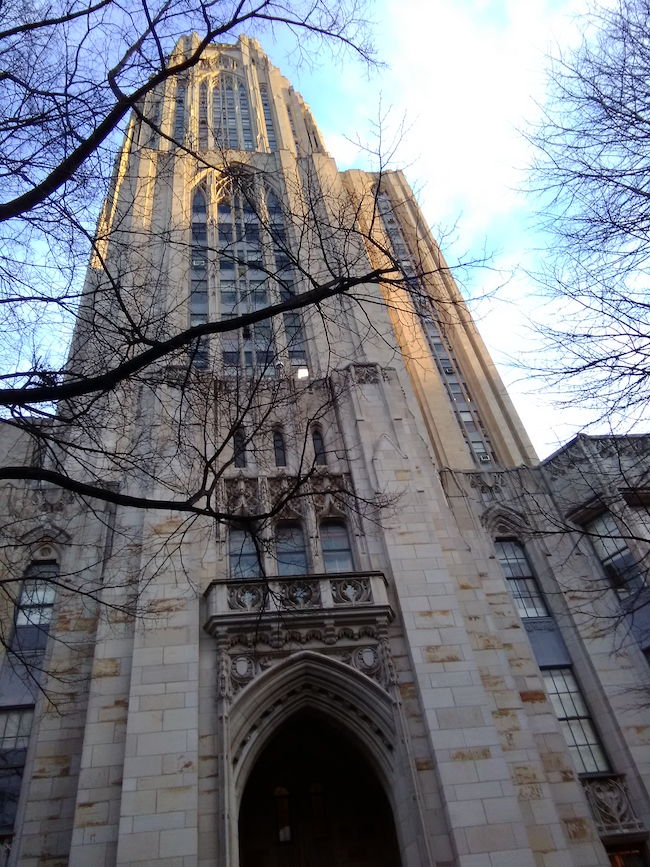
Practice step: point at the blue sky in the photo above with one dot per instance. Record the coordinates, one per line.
(467, 75)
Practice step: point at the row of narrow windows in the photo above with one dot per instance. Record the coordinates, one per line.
(246, 256)
(280, 452)
(289, 550)
(224, 118)
(449, 369)
(627, 578)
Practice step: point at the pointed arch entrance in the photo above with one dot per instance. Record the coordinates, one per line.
(313, 800)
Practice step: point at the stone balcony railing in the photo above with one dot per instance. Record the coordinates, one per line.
(611, 806)
(258, 623)
(354, 597)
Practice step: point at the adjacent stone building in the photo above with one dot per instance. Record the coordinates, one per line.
(430, 651)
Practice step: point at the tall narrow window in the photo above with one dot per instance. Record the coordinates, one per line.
(293, 330)
(242, 555)
(243, 289)
(15, 726)
(521, 580)
(575, 721)
(268, 118)
(231, 120)
(199, 275)
(179, 116)
(217, 128)
(618, 561)
(320, 458)
(203, 117)
(293, 130)
(245, 116)
(335, 545)
(278, 449)
(155, 125)
(239, 448)
(290, 550)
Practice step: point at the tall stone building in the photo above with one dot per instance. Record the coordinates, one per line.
(381, 633)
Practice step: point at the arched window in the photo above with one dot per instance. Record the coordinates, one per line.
(320, 458)
(242, 555)
(239, 448)
(203, 117)
(268, 117)
(335, 545)
(290, 550)
(279, 449)
(179, 116)
(231, 117)
(521, 581)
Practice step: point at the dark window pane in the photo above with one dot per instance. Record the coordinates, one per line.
(278, 448)
(319, 449)
(335, 545)
(521, 580)
(575, 721)
(244, 562)
(239, 447)
(290, 550)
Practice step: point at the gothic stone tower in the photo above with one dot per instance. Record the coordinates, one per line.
(352, 655)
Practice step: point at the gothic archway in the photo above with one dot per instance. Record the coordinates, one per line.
(313, 800)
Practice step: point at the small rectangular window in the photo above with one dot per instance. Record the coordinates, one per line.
(575, 721)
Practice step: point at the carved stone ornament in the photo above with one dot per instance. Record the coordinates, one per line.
(245, 597)
(367, 660)
(610, 805)
(366, 373)
(351, 591)
(489, 484)
(225, 680)
(27, 502)
(300, 594)
(242, 496)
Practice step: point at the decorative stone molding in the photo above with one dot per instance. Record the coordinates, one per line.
(610, 805)
(260, 623)
(351, 591)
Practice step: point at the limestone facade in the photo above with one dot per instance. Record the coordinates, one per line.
(413, 645)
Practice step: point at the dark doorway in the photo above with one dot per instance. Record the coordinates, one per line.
(312, 800)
